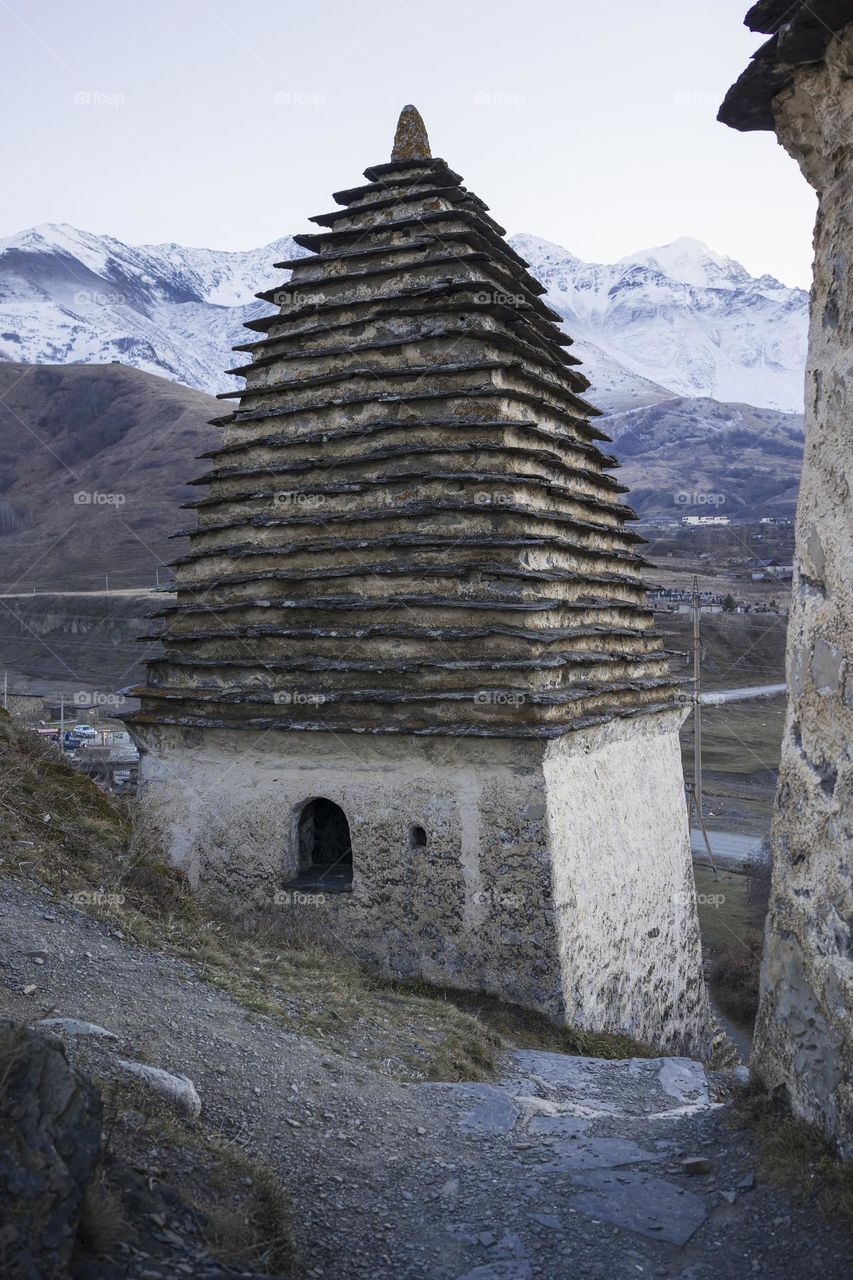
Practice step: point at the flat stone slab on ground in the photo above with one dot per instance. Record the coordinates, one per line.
(599, 1087)
(496, 1112)
(559, 1126)
(509, 1261)
(596, 1153)
(640, 1202)
(492, 1110)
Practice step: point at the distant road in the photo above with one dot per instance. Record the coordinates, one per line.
(728, 847)
(742, 694)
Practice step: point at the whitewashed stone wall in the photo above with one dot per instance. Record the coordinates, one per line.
(556, 875)
(627, 928)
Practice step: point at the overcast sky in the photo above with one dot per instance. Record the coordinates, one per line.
(225, 124)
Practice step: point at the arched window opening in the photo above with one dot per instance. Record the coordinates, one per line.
(417, 837)
(325, 849)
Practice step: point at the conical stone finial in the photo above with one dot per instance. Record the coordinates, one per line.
(411, 141)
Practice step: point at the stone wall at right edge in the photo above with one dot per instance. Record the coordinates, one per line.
(804, 1035)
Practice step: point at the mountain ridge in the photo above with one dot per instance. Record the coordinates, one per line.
(675, 320)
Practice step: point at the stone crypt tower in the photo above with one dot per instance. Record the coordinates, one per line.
(411, 666)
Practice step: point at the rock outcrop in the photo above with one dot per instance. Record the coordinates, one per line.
(50, 1132)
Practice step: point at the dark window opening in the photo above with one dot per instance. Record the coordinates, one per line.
(325, 850)
(417, 838)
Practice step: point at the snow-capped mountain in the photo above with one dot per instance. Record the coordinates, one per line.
(683, 317)
(692, 262)
(678, 320)
(69, 296)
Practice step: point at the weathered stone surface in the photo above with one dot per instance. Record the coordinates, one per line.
(50, 1131)
(74, 1027)
(410, 140)
(696, 1165)
(597, 1153)
(509, 1261)
(599, 1121)
(411, 526)
(493, 902)
(597, 1088)
(804, 1034)
(801, 34)
(639, 1202)
(495, 1113)
(558, 1126)
(176, 1089)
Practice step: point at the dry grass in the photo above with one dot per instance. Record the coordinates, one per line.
(239, 1206)
(255, 1232)
(527, 1029)
(793, 1155)
(103, 1222)
(12, 1039)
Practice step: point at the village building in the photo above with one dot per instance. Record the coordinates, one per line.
(800, 84)
(411, 679)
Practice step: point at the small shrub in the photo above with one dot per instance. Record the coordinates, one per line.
(102, 1218)
(735, 972)
(256, 1232)
(736, 964)
(12, 1039)
(154, 886)
(792, 1154)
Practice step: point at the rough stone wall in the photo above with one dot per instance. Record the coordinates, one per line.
(471, 910)
(475, 908)
(804, 1037)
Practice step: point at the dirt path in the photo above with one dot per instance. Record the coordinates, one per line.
(568, 1167)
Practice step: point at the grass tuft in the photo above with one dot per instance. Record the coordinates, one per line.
(103, 1223)
(12, 1041)
(795, 1156)
(256, 1232)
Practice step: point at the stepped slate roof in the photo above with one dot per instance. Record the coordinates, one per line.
(410, 525)
(800, 33)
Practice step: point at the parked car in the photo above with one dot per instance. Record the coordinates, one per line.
(84, 731)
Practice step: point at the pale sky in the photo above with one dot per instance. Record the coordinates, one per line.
(225, 124)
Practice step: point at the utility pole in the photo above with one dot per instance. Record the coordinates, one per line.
(695, 790)
(61, 718)
(107, 580)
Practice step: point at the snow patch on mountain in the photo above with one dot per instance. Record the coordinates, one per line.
(691, 262)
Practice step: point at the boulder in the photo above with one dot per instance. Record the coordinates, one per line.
(177, 1089)
(50, 1132)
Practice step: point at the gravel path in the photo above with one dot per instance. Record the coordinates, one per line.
(568, 1167)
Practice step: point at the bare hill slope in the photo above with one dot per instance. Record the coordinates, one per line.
(96, 461)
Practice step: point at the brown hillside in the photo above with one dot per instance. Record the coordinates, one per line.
(124, 439)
